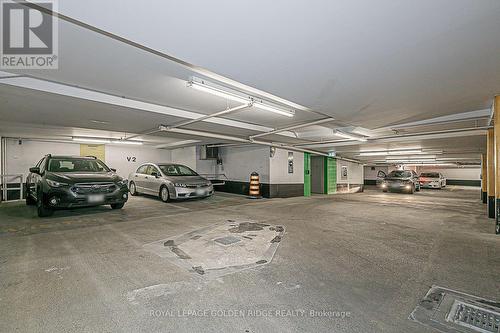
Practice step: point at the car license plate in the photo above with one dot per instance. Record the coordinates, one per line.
(95, 198)
(200, 191)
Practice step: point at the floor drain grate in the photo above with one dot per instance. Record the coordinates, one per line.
(474, 317)
(228, 240)
(451, 311)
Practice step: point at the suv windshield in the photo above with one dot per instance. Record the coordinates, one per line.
(177, 170)
(76, 165)
(430, 174)
(399, 174)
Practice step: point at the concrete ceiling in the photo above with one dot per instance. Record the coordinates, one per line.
(370, 67)
(369, 64)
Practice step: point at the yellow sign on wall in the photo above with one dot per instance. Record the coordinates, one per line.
(93, 150)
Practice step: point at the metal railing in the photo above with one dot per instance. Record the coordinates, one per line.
(5, 180)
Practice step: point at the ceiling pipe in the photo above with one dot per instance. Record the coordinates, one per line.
(289, 128)
(148, 132)
(188, 122)
(238, 139)
(409, 135)
(212, 115)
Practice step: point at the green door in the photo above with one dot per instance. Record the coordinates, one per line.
(307, 174)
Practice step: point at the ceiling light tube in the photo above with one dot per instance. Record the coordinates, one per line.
(90, 140)
(350, 136)
(217, 92)
(374, 153)
(287, 113)
(127, 142)
(391, 152)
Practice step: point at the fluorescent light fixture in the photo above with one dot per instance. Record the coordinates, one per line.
(390, 152)
(350, 136)
(414, 157)
(431, 164)
(405, 152)
(90, 140)
(411, 161)
(220, 92)
(104, 140)
(374, 153)
(288, 113)
(127, 142)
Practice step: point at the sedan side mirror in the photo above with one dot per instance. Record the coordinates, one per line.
(35, 170)
(114, 170)
(155, 174)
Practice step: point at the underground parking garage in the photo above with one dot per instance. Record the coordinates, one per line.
(318, 168)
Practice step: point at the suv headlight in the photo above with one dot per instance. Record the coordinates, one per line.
(53, 183)
(122, 182)
(180, 185)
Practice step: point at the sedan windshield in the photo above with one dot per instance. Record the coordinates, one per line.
(430, 174)
(399, 174)
(76, 165)
(177, 170)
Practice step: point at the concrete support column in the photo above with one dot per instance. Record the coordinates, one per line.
(484, 178)
(496, 120)
(490, 151)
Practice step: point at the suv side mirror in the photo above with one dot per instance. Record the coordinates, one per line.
(35, 170)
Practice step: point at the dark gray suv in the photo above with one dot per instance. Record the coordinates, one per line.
(401, 180)
(58, 182)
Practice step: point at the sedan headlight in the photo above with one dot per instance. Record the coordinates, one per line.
(53, 183)
(180, 185)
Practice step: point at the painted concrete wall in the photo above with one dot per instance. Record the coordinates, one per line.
(186, 156)
(123, 158)
(237, 162)
(370, 174)
(278, 167)
(455, 173)
(354, 173)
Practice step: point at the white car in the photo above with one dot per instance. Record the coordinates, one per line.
(432, 180)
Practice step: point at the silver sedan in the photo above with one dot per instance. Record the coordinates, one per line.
(169, 181)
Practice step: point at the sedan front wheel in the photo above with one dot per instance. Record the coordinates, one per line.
(164, 194)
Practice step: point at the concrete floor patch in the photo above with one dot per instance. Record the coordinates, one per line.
(222, 248)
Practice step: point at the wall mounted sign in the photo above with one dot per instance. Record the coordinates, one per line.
(290, 162)
(343, 173)
(93, 150)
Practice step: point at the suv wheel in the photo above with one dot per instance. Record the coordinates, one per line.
(117, 205)
(164, 194)
(42, 210)
(133, 189)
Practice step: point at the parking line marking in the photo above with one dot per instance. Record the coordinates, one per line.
(175, 206)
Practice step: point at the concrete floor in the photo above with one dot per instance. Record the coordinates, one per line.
(368, 258)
